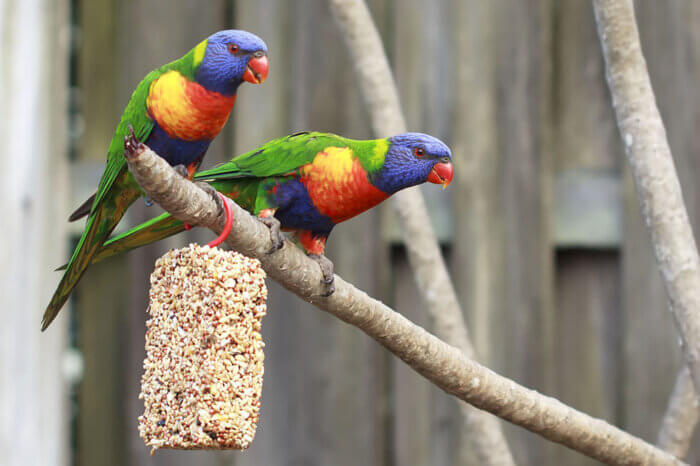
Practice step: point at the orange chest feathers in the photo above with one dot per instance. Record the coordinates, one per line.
(186, 110)
(338, 185)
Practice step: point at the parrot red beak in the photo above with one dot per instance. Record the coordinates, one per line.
(256, 71)
(441, 174)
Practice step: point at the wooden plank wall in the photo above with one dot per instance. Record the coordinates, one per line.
(517, 89)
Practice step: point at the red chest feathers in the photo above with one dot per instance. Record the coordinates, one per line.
(338, 185)
(186, 110)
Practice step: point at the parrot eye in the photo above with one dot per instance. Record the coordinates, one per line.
(419, 152)
(233, 48)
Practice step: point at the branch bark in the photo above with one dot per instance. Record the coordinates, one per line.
(379, 91)
(442, 364)
(656, 180)
(681, 417)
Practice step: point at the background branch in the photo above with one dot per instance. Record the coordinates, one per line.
(681, 417)
(381, 97)
(442, 364)
(657, 184)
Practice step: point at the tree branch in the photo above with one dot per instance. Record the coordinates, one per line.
(655, 177)
(443, 365)
(381, 97)
(681, 417)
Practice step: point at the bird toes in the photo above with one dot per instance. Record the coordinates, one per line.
(132, 146)
(328, 280)
(209, 189)
(182, 171)
(275, 232)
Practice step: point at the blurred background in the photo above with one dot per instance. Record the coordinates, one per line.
(541, 227)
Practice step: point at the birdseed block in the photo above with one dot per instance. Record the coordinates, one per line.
(204, 353)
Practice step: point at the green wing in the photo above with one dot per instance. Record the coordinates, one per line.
(239, 179)
(277, 157)
(135, 115)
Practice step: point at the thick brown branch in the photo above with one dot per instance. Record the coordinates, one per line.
(381, 97)
(655, 177)
(444, 365)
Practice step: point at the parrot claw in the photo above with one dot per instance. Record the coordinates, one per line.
(328, 280)
(275, 234)
(132, 146)
(207, 188)
(182, 171)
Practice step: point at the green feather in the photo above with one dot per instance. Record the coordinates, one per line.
(117, 188)
(136, 115)
(242, 180)
(99, 225)
(149, 232)
(284, 155)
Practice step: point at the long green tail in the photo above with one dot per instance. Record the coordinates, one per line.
(156, 229)
(97, 229)
(242, 191)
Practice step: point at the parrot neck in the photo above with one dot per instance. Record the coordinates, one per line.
(397, 172)
(214, 79)
(216, 84)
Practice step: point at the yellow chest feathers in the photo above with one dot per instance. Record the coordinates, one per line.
(185, 109)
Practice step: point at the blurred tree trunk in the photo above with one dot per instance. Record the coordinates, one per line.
(34, 187)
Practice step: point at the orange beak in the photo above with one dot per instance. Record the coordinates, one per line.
(441, 174)
(256, 71)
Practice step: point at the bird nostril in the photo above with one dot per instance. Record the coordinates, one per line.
(259, 54)
(444, 160)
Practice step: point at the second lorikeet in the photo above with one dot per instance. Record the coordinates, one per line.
(177, 110)
(309, 182)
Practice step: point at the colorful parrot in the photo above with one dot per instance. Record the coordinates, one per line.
(177, 110)
(307, 183)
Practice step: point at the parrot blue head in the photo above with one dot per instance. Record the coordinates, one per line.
(230, 57)
(412, 159)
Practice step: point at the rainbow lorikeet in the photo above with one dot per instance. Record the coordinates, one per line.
(177, 110)
(307, 183)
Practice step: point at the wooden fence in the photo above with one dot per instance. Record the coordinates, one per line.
(541, 227)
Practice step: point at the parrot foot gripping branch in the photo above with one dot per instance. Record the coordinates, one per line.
(329, 184)
(132, 145)
(177, 109)
(306, 184)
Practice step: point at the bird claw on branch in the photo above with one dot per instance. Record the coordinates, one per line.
(182, 171)
(207, 188)
(275, 232)
(327, 267)
(132, 146)
(442, 364)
